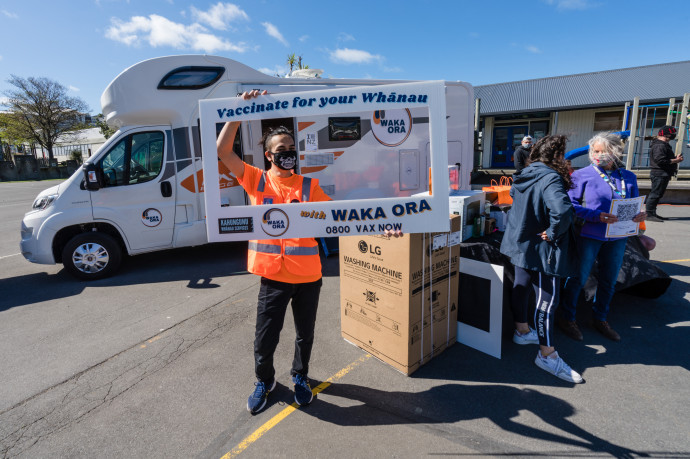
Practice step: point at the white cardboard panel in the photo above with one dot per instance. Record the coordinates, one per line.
(489, 343)
(415, 214)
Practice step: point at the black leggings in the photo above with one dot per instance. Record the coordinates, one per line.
(546, 289)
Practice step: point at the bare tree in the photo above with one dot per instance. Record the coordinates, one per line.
(42, 110)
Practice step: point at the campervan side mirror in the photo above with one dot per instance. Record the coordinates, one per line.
(93, 177)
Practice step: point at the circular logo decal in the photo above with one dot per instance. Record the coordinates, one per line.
(363, 247)
(275, 222)
(391, 127)
(151, 217)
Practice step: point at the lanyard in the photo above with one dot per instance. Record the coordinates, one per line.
(606, 178)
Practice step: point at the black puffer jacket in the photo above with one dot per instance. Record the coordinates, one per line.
(520, 158)
(660, 156)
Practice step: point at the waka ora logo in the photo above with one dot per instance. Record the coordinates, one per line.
(151, 217)
(275, 222)
(391, 127)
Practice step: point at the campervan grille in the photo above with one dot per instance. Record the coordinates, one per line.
(318, 159)
(328, 189)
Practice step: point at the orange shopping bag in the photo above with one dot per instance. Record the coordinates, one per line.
(499, 192)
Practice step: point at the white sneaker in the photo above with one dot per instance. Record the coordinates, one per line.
(528, 338)
(556, 366)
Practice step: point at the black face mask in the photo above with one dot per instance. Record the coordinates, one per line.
(285, 160)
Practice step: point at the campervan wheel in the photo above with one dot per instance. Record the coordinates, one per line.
(91, 255)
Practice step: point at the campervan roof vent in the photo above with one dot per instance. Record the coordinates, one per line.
(191, 77)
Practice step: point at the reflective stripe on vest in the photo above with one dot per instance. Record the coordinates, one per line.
(293, 250)
(263, 248)
(262, 183)
(306, 189)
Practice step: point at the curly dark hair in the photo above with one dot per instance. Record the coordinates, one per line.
(550, 150)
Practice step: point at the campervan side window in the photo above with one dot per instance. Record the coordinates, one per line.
(191, 77)
(344, 128)
(135, 159)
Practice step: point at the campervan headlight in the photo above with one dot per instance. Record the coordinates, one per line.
(42, 202)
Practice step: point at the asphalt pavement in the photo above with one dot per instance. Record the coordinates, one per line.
(157, 362)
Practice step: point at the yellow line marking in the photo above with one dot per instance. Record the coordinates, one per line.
(675, 261)
(258, 433)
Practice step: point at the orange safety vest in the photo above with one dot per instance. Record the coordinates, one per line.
(300, 255)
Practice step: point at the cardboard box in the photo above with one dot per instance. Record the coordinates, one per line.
(397, 303)
(468, 205)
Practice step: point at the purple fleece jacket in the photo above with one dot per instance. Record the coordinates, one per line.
(592, 195)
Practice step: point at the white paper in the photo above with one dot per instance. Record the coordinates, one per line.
(311, 144)
(625, 210)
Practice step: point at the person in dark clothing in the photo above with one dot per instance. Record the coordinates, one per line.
(538, 239)
(664, 165)
(522, 153)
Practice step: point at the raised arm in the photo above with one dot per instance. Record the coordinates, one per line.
(224, 144)
(226, 139)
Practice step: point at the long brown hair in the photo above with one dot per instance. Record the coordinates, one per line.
(550, 150)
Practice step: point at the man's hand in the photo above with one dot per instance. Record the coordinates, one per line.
(677, 159)
(393, 233)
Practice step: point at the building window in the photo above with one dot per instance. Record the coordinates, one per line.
(608, 121)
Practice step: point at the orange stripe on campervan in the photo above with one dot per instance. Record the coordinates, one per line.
(304, 124)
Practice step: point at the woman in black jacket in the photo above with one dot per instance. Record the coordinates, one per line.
(537, 239)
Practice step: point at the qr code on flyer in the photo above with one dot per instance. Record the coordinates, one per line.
(627, 211)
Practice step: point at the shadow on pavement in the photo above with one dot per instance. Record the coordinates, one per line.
(450, 403)
(199, 265)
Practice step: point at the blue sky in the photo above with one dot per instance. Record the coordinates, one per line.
(84, 44)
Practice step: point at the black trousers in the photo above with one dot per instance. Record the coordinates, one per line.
(659, 185)
(274, 297)
(546, 289)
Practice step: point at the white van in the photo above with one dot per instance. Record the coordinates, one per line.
(148, 192)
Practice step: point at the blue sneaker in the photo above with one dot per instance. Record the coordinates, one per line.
(258, 398)
(303, 394)
(528, 338)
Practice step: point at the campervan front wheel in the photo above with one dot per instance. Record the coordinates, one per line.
(91, 255)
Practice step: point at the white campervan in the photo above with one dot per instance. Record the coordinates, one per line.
(143, 189)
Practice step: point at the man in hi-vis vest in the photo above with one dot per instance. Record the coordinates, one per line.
(290, 269)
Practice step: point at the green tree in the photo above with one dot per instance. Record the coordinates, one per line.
(42, 110)
(291, 61)
(11, 133)
(105, 129)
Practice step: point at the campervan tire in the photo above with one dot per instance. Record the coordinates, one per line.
(91, 255)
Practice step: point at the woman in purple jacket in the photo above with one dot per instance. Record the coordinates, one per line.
(595, 186)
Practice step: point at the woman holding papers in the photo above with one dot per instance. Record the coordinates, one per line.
(538, 240)
(596, 186)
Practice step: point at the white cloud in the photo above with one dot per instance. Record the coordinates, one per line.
(274, 32)
(392, 69)
(9, 14)
(342, 36)
(533, 49)
(572, 4)
(159, 31)
(277, 70)
(353, 56)
(303, 38)
(219, 15)
(73, 88)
